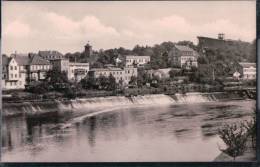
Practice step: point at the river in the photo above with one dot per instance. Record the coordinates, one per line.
(169, 132)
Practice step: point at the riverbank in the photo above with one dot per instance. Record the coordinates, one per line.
(249, 155)
(38, 107)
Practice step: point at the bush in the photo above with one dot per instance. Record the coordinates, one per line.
(235, 137)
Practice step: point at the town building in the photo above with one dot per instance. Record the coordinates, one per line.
(77, 71)
(183, 56)
(134, 60)
(19, 70)
(121, 75)
(60, 65)
(247, 70)
(38, 67)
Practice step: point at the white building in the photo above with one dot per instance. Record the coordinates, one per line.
(183, 56)
(248, 70)
(77, 71)
(19, 70)
(132, 60)
(121, 75)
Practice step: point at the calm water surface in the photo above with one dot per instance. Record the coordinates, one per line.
(163, 133)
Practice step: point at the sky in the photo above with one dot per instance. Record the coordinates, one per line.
(66, 26)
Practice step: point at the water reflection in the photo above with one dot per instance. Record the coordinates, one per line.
(136, 134)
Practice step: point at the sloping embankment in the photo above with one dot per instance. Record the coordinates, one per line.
(41, 107)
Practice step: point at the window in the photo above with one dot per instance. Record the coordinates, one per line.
(11, 84)
(15, 75)
(20, 75)
(15, 83)
(15, 67)
(11, 67)
(11, 75)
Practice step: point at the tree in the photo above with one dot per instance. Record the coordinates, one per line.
(56, 78)
(111, 84)
(89, 83)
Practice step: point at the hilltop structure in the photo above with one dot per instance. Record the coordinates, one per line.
(220, 43)
(181, 56)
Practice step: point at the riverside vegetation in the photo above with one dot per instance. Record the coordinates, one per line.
(236, 136)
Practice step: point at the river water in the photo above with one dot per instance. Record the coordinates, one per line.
(178, 132)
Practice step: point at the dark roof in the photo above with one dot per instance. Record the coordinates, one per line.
(48, 53)
(5, 60)
(184, 48)
(37, 60)
(22, 60)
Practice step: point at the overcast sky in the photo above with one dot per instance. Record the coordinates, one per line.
(67, 26)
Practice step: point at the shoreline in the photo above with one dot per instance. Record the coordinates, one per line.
(39, 107)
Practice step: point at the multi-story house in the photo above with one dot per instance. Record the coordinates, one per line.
(247, 70)
(183, 56)
(61, 65)
(19, 70)
(122, 76)
(38, 67)
(133, 60)
(13, 75)
(77, 71)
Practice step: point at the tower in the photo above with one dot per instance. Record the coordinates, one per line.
(88, 50)
(221, 36)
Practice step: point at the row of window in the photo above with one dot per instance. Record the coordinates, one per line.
(15, 76)
(249, 69)
(40, 67)
(249, 76)
(137, 60)
(13, 83)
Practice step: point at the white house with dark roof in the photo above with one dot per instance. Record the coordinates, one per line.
(181, 56)
(133, 60)
(77, 71)
(248, 70)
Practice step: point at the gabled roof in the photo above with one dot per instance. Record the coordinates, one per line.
(48, 53)
(37, 60)
(247, 65)
(184, 48)
(5, 60)
(22, 60)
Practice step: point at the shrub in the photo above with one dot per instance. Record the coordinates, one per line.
(235, 137)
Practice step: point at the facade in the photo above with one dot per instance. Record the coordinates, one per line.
(77, 71)
(60, 65)
(121, 75)
(38, 67)
(132, 60)
(181, 55)
(248, 71)
(19, 70)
